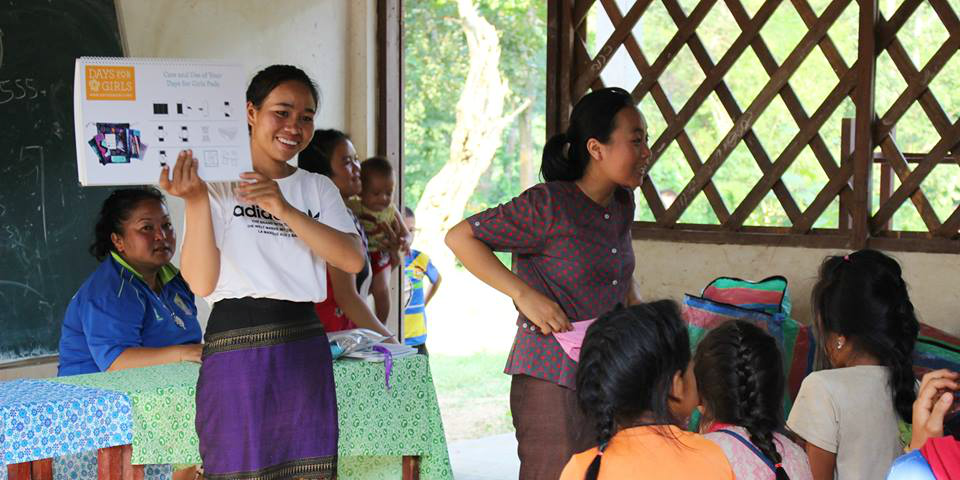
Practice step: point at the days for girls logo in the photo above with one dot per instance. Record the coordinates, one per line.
(110, 82)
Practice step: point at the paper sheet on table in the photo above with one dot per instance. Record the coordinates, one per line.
(572, 340)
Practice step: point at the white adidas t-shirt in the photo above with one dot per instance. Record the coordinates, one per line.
(260, 256)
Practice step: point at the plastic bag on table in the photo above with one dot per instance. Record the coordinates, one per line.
(347, 341)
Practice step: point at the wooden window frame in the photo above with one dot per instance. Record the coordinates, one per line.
(866, 139)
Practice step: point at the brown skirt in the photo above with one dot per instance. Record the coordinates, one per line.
(550, 425)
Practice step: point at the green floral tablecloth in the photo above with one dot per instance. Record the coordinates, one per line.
(376, 422)
(377, 426)
(164, 407)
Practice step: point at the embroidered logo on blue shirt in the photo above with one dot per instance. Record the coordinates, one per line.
(180, 303)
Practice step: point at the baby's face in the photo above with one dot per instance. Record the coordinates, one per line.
(377, 192)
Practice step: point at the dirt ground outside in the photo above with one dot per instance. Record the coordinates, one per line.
(470, 330)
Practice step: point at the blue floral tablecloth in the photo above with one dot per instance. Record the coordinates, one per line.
(42, 419)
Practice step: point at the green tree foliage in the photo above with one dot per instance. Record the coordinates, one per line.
(435, 55)
(435, 62)
(814, 80)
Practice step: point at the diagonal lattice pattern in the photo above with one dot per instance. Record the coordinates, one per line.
(901, 173)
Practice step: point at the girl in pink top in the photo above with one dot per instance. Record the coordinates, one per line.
(740, 378)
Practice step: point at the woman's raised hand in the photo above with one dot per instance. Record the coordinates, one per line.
(933, 402)
(186, 183)
(543, 312)
(262, 192)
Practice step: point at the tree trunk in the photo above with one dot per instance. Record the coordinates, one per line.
(475, 139)
(528, 166)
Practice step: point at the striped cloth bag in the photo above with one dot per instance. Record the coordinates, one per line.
(765, 303)
(935, 349)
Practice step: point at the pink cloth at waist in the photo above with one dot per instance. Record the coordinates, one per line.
(572, 341)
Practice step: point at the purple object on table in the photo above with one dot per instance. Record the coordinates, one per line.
(387, 361)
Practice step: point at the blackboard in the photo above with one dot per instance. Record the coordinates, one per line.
(46, 218)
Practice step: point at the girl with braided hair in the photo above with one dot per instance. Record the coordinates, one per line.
(635, 380)
(848, 415)
(740, 378)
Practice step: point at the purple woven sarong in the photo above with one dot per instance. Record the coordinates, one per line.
(266, 404)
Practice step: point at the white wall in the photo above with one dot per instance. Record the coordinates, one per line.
(312, 34)
(668, 270)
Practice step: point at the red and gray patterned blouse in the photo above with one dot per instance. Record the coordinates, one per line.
(569, 248)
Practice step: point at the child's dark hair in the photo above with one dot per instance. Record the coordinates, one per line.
(594, 116)
(267, 79)
(372, 166)
(863, 297)
(318, 154)
(740, 378)
(627, 363)
(113, 212)
(408, 213)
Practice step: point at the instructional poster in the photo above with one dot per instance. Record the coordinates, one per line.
(133, 116)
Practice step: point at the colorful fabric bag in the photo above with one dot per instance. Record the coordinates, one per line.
(765, 303)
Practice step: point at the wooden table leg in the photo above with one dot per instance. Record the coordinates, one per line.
(18, 471)
(35, 470)
(109, 463)
(112, 464)
(42, 469)
(128, 470)
(411, 467)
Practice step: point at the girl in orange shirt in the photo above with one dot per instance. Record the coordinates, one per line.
(635, 378)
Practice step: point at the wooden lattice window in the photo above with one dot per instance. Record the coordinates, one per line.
(868, 189)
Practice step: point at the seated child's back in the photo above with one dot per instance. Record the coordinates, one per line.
(740, 378)
(657, 452)
(635, 379)
(848, 415)
(850, 406)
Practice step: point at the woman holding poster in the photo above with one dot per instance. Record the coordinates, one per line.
(258, 250)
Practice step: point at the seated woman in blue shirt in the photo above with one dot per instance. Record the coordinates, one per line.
(135, 310)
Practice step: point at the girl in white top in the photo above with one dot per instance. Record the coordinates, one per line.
(740, 378)
(258, 250)
(848, 416)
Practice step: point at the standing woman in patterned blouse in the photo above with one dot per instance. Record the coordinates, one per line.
(574, 262)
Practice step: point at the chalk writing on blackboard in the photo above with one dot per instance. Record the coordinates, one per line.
(18, 89)
(23, 88)
(33, 155)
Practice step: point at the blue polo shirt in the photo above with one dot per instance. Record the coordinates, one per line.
(115, 309)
